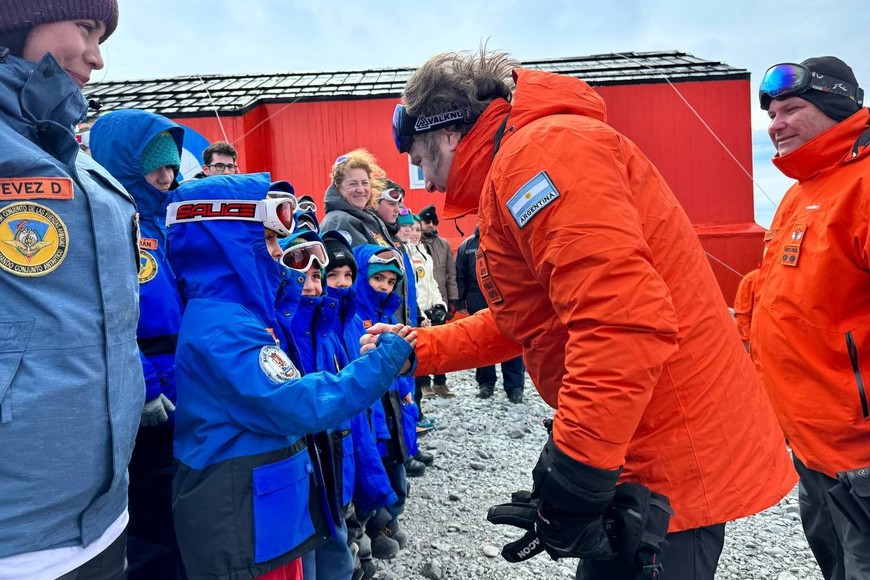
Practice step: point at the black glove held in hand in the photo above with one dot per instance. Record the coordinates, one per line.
(564, 513)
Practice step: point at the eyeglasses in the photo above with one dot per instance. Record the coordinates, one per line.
(302, 256)
(224, 166)
(274, 214)
(307, 206)
(789, 79)
(406, 126)
(392, 194)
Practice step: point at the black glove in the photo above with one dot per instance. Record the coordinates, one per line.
(564, 514)
(451, 308)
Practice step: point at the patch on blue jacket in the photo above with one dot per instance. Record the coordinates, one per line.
(276, 365)
(535, 195)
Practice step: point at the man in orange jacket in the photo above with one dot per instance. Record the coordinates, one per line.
(811, 326)
(594, 273)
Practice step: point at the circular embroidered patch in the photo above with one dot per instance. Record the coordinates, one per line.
(421, 273)
(147, 267)
(276, 365)
(33, 239)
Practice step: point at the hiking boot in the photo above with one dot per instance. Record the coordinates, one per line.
(427, 423)
(427, 392)
(421, 430)
(414, 468)
(369, 569)
(393, 531)
(384, 547)
(425, 458)
(515, 397)
(485, 391)
(443, 391)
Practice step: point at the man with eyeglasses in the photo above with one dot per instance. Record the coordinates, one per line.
(219, 158)
(810, 331)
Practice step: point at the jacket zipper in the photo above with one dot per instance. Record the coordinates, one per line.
(853, 356)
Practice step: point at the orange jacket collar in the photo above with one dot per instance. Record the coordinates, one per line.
(538, 94)
(825, 151)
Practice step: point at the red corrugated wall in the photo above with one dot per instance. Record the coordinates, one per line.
(300, 141)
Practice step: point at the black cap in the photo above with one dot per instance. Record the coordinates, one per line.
(338, 251)
(837, 107)
(427, 214)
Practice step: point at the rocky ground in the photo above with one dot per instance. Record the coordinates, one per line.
(485, 450)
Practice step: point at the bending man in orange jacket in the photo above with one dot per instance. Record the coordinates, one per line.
(594, 273)
(811, 326)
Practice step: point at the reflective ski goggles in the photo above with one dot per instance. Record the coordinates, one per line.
(789, 79)
(302, 256)
(307, 219)
(392, 194)
(394, 258)
(307, 206)
(275, 214)
(406, 126)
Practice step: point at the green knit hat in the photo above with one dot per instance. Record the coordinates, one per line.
(161, 151)
(406, 219)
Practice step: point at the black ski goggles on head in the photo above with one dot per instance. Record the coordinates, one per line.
(789, 79)
(407, 126)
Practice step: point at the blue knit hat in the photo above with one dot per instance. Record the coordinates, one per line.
(161, 151)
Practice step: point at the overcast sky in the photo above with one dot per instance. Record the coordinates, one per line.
(165, 38)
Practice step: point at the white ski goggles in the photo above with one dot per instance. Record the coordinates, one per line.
(275, 214)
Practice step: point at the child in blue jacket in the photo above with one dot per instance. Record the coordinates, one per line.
(380, 270)
(245, 501)
(348, 451)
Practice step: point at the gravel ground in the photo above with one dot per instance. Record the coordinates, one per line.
(485, 450)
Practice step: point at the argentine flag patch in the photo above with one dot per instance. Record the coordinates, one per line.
(535, 195)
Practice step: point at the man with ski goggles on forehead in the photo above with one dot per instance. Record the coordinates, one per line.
(592, 271)
(809, 327)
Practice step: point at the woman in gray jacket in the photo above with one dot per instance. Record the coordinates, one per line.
(71, 386)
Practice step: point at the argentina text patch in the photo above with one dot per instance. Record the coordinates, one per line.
(535, 195)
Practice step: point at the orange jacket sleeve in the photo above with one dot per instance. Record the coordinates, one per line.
(588, 251)
(743, 303)
(471, 342)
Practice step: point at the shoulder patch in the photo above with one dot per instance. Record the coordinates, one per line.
(33, 239)
(276, 365)
(147, 266)
(535, 195)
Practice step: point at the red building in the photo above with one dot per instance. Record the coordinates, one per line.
(690, 116)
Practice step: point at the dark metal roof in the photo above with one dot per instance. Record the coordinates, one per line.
(235, 94)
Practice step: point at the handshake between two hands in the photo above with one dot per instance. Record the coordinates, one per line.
(369, 340)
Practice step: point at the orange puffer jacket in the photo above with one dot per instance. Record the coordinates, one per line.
(811, 327)
(606, 287)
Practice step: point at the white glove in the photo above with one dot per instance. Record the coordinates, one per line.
(156, 411)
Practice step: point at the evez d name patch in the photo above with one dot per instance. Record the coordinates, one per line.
(19, 188)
